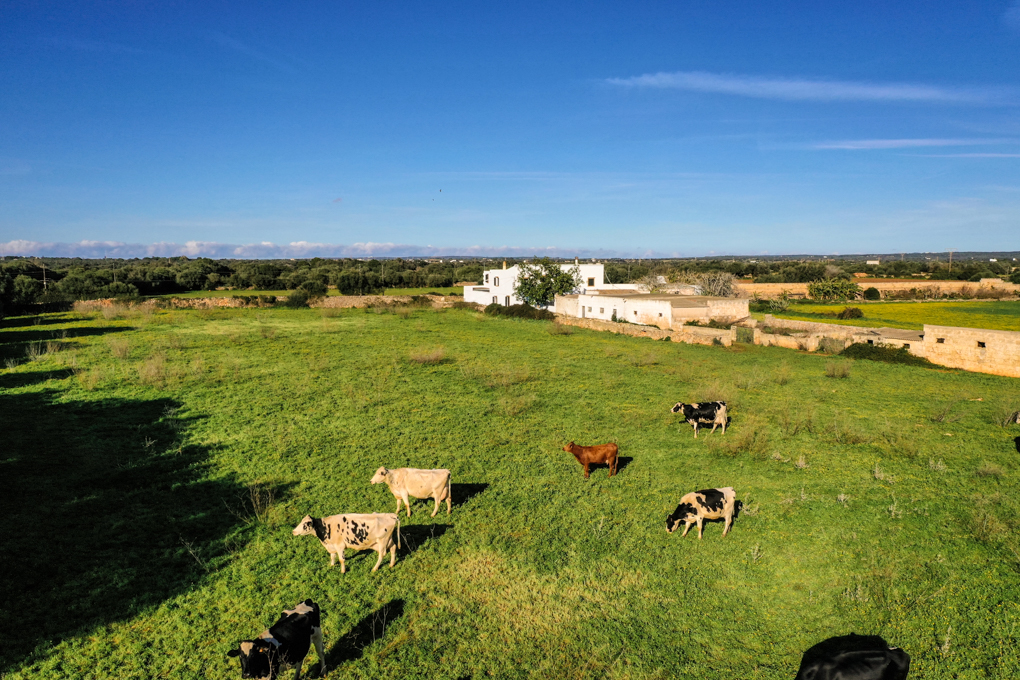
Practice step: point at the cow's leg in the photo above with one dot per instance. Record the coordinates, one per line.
(699, 528)
(332, 559)
(407, 503)
(449, 500)
(586, 471)
(714, 425)
(317, 641)
(393, 555)
(381, 552)
(694, 424)
(297, 670)
(435, 510)
(343, 565)
(687, 528)
(398, 505)
(724, 426)
(729, 523)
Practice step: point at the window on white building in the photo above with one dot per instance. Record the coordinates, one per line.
(589, 309)
(495, 281)
(495, 299)
(591, 281)
(486, 278)
(602, 310)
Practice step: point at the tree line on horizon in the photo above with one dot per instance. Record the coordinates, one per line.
(26, 281)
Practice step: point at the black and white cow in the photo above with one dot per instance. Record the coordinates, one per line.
(698, 506)
(355, 532)
(706, 412)
(854, 657)
(284, 646)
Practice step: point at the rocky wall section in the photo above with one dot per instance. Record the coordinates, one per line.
(690, 335)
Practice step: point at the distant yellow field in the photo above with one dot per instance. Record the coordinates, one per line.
(994, 315)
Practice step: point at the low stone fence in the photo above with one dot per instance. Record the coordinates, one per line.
(922, 288)
(690, 334)
(358, 301)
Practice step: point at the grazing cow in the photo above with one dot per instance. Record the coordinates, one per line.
(854, 657)
(698, 506)
(284, 645)
(595, 455)
(406, 483)
(1016, 442)
(706, 412)
(357, 532)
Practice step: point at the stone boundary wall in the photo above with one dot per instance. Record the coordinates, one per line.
(236, 301)
(690, 335)
(974, 349)
(832, 330)
(770, 290)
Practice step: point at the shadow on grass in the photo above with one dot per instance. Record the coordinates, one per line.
(35, 320)
(462, 493)
(417, 535)
(106, 514)
(16, 345)
(351, 646)
(10, 381)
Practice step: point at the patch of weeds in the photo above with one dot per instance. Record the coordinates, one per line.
(793, 423)
(845, 433)
(894, 510)
(843, 499)
(937, 465)
(831, 345)
(1007, 413)
(557, 328)
(782, 374)
(752, 379)
(647, 359)
(152, 371)
(436, 355)
(880, 475)
(990, 470)
(943, 412)
(986, 526)
(756, 553)
(850, 313)
(515, 406)
(88, 378)
(837, 369)
(779, 458)
(751, 439)
(802, 463)
(120, 347)
(11, 362)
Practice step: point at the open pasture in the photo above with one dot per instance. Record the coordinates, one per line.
(993, 315)
(154, 466)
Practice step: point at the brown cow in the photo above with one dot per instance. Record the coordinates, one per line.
(595, 455)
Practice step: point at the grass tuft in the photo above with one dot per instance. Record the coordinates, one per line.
(837, 369)
(436, 355)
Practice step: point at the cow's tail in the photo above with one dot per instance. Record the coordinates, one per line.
(398, 534)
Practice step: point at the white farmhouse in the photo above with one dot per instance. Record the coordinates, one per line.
(498, 284)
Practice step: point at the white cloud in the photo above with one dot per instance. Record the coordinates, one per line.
(802, 89)
(864, 144)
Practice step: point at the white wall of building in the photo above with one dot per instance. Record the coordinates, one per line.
(498, 284)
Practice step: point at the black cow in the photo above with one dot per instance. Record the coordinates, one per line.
(284, 645)
(1016, 441)
(854, 657)
(706, 412)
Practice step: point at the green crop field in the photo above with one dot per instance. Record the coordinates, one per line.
(154, 465)
(995, 315)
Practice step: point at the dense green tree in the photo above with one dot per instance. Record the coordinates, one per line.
(540, 283)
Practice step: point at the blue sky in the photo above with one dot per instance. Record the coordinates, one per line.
(674, 128)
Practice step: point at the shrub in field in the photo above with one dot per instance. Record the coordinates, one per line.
(557, 328)
(872, 293)
(461, 304)
(428, 356)
(833, 289)
(943, 411)
(850, 313)
(524, 311)
(837, 369)
(989, 470)
(1007, 413)
(120, 347)
(296, 299)
(830, 345)
(885, 353)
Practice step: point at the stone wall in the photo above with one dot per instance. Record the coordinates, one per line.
(694, 336)
(974, 349)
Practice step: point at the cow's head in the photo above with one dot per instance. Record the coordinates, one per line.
(305, 527)
(256, 658)
(380, 475)
(677, 408)
(684, 514)
(569, 448)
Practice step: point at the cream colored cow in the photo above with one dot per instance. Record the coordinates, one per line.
(357, 532)
(407, 483)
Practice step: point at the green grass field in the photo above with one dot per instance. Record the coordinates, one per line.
(448, 290)
(139, 541)
(995, 315)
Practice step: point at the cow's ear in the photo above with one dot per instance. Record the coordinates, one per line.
(234, 652)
